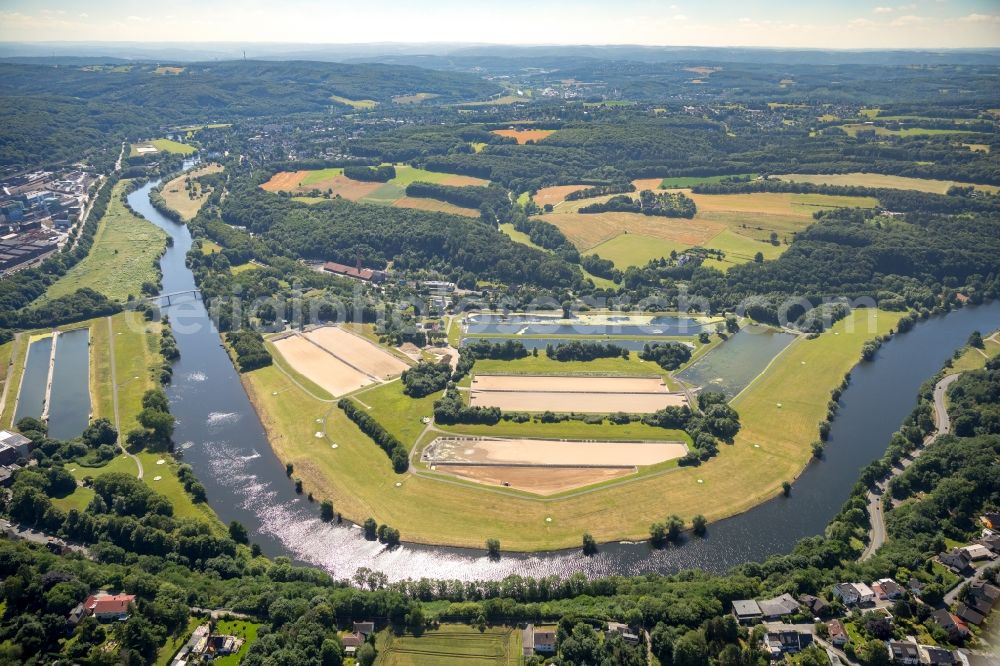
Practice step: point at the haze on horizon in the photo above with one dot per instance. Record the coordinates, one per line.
(853, 24)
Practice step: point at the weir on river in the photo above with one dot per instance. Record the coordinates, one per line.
(219, 433)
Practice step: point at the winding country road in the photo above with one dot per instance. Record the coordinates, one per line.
(942, 424)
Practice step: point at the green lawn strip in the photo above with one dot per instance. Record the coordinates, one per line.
(102, 398)
(319, 175)
(12, 355)
(137, 357)
(123, 256)
(175, 147)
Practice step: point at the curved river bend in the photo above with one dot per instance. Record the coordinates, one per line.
(220, 435)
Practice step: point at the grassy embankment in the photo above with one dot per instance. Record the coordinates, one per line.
(975, 359)
(451, 644)
(124, 255)
(358, 478)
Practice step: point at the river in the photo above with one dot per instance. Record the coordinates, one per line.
(219, 434)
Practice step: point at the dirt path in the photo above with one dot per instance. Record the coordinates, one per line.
(114, 399)
(942, 422)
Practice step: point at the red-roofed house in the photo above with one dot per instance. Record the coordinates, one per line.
(355, 272)
(108, 606)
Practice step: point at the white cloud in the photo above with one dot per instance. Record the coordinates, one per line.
(862, 23)
(882, 10)
(981, 18)
(680, 17)
(139, 19)
(907, 20)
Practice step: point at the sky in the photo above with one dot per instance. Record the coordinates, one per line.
(776, 23)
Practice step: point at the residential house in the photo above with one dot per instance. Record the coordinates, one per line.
(957, 629)
(106, 607)
(837, 633)
(969, 615)
(853, 593)
(904, 652)
(816, 605)
(351, 643)
(747, 611)
(786, 640)
(222, 644)
(779, 607)
(991, 541)
(628, 634)
(545, 642)
(956, 559)
(364, 628)
(978, 552)
(887, 588)
(935, 656)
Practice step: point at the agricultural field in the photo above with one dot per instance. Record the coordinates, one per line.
(737, 223)
(523, 136)
(881, 180)
(123, 257)
(355, 103)
(164, 69)
(451, 644)
(161, 146)
(853, 129)
(415, 98)
(358, 477)
(680, 182)
(332, 182)
(188, 202)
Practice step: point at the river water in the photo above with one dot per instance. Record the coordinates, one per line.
(219, 433)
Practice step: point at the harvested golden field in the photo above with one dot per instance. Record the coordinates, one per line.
(188, 202)
(284, 181)
(587, 230)
(537, 480)
(434, 205)
(647, 184)
(555, 194)
(524, 136)
(320, 367)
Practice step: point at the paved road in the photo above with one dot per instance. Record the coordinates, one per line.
(17, 531)
(942, 422)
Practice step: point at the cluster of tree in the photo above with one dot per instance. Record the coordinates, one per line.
(663, 204)
(82, 304)
(157, 423)
(667, 355)
(491, 201)
(600, 191)
(385, 439)
(380, 174)
(975, 402)
(584, 351)
(425, 378)
(547, 235)
(505, 350)
(250, 350)
(342, 230)
(605, 268)
(451, 409)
